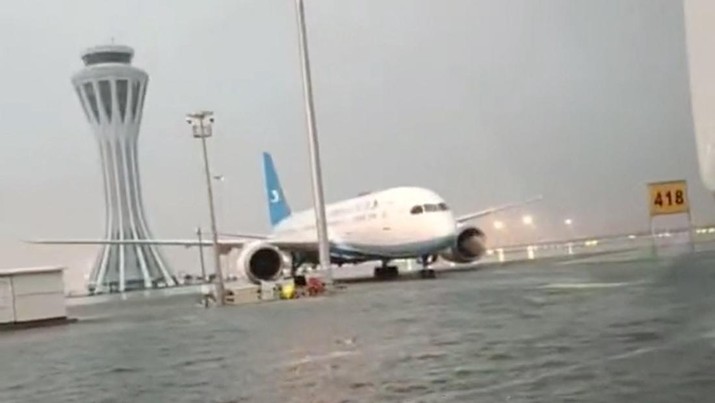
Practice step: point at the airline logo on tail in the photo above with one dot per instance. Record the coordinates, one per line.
(275, 196)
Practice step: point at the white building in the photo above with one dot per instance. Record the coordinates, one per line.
(112, 94)
(33, 295)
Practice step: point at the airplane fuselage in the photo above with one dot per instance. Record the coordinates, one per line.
(398, 222)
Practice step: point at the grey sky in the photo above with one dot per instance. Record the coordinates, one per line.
(484, 101)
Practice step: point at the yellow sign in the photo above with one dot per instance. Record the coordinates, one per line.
(668, 197)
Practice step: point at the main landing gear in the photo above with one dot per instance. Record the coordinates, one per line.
(385, 272)
(297, 260)
(425, 261)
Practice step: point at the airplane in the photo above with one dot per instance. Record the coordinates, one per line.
(405, 222)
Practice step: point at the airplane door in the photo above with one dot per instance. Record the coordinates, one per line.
(384, 219)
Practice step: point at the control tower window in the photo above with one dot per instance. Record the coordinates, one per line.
(105, 93)
(122, 93)
(135, 98)
(84, 104)
(107, 57)
(92, 98)
(416, 210)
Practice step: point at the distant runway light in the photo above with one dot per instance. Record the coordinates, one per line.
(498, 225)
(527, 220)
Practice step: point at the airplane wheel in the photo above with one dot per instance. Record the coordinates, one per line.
(386, 272)
(300, 281)
(392, 271)
(427, 273)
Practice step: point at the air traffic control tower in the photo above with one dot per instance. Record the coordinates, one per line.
(112, 94)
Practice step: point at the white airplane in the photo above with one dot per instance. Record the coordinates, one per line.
(396, 223)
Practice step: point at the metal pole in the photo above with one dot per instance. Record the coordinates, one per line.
(204, 297)
(220, 179)
(691, 235)
(654, 244)
(317, 180)
(214, 232)
(201, 255)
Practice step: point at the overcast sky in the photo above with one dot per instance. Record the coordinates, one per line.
(485, 101)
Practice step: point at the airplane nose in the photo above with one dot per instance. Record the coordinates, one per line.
(445, 226)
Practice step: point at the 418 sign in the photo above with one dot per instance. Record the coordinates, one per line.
(668, 197)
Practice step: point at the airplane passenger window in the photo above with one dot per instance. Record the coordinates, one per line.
(416, 210)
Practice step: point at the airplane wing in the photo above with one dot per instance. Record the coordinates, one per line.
(284, 244)
(493, 210)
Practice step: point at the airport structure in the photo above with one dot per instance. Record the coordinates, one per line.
(112, 94)
(700, 39)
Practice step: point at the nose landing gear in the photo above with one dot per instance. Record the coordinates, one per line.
(425, 261)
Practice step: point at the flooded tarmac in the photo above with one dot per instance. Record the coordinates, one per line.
(584, 330)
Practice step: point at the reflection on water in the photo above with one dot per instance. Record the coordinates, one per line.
(612, 331)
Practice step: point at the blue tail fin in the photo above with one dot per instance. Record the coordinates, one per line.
(278, 208)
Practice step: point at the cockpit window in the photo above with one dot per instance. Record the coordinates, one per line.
(431, 207)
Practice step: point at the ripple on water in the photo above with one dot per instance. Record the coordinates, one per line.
(361, 385)
(500, 356)
(404, 387)
(445, 342)
(198, 361)
(640, 337)
(425, 356)
(122, 370)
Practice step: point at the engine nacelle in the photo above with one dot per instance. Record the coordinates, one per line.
(469, 246)
(261, 261)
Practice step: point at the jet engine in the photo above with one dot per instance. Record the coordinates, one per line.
(468, 247)
(261, 261)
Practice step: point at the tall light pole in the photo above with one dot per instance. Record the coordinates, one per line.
(499, 227)
(204, 295)
(317, 180)
(221, 180)
(201, 255)
(528, 221)
(569, 223)
(201, 124)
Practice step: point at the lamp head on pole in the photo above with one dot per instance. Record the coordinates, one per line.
(201, 123)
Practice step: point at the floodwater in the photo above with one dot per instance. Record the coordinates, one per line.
(571, 331)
